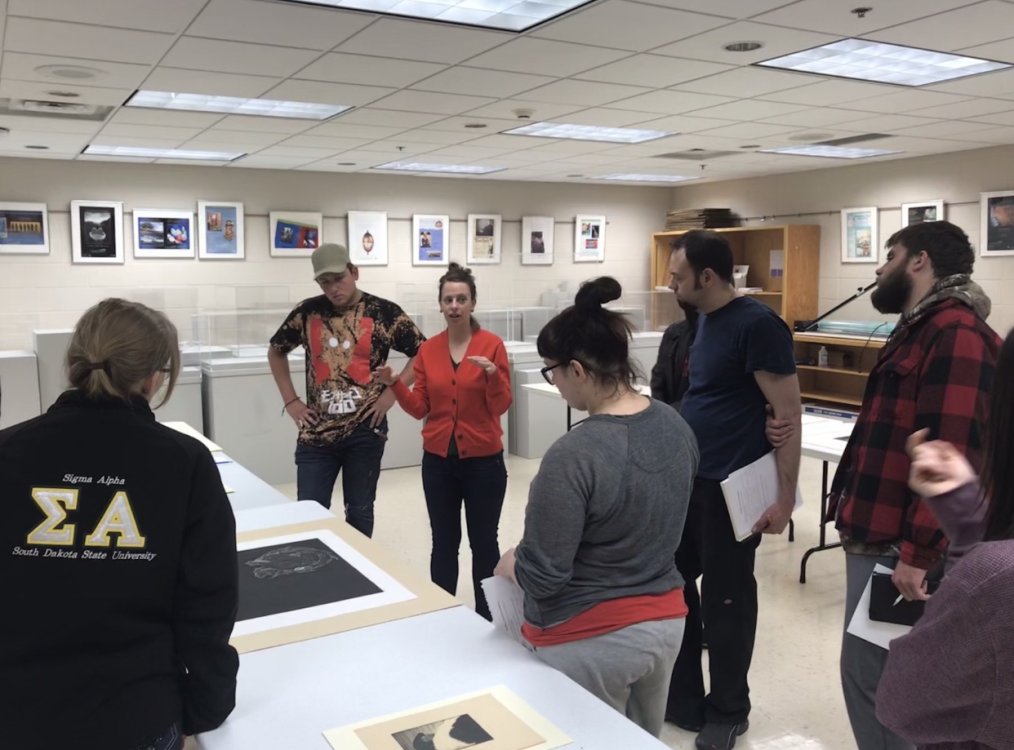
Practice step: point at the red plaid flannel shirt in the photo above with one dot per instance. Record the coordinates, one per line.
(935, 372)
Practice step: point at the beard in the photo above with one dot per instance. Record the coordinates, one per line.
(892, 292)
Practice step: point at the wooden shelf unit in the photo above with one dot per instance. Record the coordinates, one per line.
(792, 294)
(851, 359)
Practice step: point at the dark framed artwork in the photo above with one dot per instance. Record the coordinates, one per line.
(96, 231)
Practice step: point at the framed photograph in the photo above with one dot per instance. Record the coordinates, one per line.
(483, 239)
(537, 240)
(430, 239)
(295, 234)
(96, 229)
(996, 230)
(220, 230)
(589, 239)
(163, 233)
(859, 239)
(24, 229)
(917, 213)
(368, 238)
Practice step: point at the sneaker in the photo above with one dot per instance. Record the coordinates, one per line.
(720, 736)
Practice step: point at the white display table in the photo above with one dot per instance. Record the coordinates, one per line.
(19, 387)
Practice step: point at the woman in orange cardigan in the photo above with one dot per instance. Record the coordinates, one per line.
(462, 388)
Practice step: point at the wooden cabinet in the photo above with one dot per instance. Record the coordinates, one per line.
(791, 290)
(842, 381)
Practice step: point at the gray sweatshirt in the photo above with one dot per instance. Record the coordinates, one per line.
(605, 513)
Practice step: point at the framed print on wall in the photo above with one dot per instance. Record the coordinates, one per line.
(220, 230)
(537, 240)
(430, 239)
(917, 213)
(368, 238)
(859, 239)
(589, 239)
(483, 239)
(24, 229)
(163, 233)
(96, 229)
(295, 234)
(996, 228)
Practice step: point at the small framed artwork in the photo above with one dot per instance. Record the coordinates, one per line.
(917, 213)
(163, 233)
(589, 239)
(368, 238)
(996, 230)
(430, 239)
(24, 229)
(537, 240)
(295, 234)
(220, 230)
(483, 239)
(859, 239)
(96, 229)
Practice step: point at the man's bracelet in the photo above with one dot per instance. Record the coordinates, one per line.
(290, 401)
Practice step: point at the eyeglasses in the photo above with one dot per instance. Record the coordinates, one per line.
(547, 372)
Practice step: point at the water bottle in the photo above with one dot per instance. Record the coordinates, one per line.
(822, 357)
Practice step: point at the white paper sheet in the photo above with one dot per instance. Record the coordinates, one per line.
(506, 604)
(750, 491)
(861, 626)
(188, 430)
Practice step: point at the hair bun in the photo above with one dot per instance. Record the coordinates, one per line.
(597, 292)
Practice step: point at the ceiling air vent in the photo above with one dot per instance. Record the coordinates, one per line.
(854, 139)
(695, 154)
(58, 110)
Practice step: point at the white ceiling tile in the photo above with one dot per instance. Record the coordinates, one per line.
(64, 143)
(436, 137)
(607, 118)
(165, 78)
(624, 25)
(657, 71)
(256, 161)
(747, 82)
(968, 109)
(818, 117)
(236, 57)
(348, 94)
(777, 41)
(585, 93)
(996, 135)
(1002, 51)
(148, 15)
(567, 148)
(421, 40)
(174, 118)
(457, 124)
(143, 142)
(35, 36)
(425, 101)
(725, 8)
(327, 165)
(394, 149)
(495, 83)
(682, 124)
(330, 143)
(954, 129)
(830, 92)
(998, 118)
(114, 159)
(979, 23)
(387, 117)
(86, 94)
(339, 67)
(999, 84)
(22, 67)
(340, 129)
(214, 140)
(835, 17)
(47, 125)
(748, 131)
(263, 124)
(747, 110)
(468, 153)
(885, 123)
(505, 109)
(306, 154)
(283, 24)
(670, 102)
(529, 55)
(116, 130)
(904, 101)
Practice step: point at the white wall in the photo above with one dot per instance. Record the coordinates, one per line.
(50, 292)
(817, 197)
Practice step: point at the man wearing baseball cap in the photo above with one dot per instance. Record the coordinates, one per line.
(346, 333)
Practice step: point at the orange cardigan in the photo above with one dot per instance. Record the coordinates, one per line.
(467, 401)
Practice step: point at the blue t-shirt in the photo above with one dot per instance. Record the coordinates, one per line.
(724, 405)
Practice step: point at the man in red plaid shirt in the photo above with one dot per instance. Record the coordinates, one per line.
(934, 372)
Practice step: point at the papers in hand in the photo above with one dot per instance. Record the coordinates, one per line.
(875, 632)
(506, 603)
(750, 491)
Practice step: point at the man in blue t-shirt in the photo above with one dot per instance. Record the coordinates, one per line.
(741, 361)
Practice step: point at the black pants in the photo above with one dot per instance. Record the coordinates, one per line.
(480, 483)
(727, 603)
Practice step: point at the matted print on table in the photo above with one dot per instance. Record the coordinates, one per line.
(24, 229)
(295, 234)
(96, 229)
(368, 238)
(589, 239)
(996, 227)
(923, 211)
(431, 237)
(310, 580)
(220, 230)
(859, 238)
(483, 239)
(492, 719)
(537, 240)
(163, 233)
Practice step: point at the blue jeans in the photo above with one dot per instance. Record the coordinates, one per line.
(480, 483)
(357, 456)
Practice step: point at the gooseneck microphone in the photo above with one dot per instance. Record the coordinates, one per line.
(802, 326)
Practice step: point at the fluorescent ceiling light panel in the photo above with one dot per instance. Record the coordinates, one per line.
(162, 153)
(831, 152)
(883, 63)
(646, 177)
(587, 132)
(507, 15)
(417, 166)
(234, 105)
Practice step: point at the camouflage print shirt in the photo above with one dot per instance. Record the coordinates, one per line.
(343, 347)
